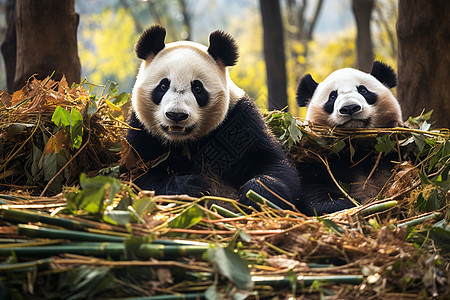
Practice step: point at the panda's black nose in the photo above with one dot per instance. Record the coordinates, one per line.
(176, 116)
(350, 109)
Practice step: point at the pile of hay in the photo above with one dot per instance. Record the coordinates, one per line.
(107, 239)
(50, 133)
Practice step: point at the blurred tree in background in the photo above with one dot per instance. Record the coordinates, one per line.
(423, 30)
(41, 39)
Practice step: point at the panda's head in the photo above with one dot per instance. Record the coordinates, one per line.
(352, 99)
(183, 90)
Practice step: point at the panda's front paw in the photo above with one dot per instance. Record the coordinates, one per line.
(253, 185)
(192, 185)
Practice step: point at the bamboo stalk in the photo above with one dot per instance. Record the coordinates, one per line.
(18, 267)
(29, 216)
(282, 281)
(94, 249)
(420, 220)
(223, 211)
(189, 296)
(42, 232)
(378, 207)
(170, 251)
(255, 197)
(107, 249)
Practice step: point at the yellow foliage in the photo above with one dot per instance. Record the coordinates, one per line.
(107, 52)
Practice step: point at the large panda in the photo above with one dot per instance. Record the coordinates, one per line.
(197, 130)
(347, 98)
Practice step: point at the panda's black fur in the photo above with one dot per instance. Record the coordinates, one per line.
(237, 153)
(329, 102)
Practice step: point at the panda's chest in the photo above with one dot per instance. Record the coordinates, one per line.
(221, 152)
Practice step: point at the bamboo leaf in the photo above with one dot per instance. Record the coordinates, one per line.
(144, 206)
(337, 147)
(113, 88)
(61, 117)
(384, 144)
(187, 218)
(232, 266)
(76, 128)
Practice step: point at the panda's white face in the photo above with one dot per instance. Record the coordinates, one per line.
(353, 99)
(182, 93)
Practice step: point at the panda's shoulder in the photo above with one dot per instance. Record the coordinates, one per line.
(246, 110)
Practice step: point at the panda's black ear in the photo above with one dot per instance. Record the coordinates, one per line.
(384, 73)
(150, 42)
(223, 47)
(305, 90)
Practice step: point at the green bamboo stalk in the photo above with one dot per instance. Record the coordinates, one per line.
(94, 249)
(189, 296)
(31, 216)
(19, 267)
(169, 251)
(42, 232)
(282, 282)
(378, 207)
(255, 197)
(223, 211)
(104, 249)
(420, 220)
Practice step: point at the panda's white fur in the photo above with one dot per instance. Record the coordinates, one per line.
(384, 112)
(182, 63)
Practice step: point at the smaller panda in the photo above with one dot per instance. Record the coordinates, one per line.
(347, 98)
(350, 98)
(196, 130)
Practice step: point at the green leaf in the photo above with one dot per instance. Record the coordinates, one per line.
(432, 203)
(113, 88)
(144, 206)
(384, 144)
(92, 196)
(420, 141)
(337, 147)
(295, 132)
(92, 105)
(76, 128)
(99, 181)
(352, 151)
(331, 225)
(116, 217)
(36, 157)
(121, 99)
(187, 218)
(61, 117)
(232, 266)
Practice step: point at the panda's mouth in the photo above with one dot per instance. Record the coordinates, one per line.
(178, 130)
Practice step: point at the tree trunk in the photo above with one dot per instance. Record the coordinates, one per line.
(46, 32)
(362, 10)
(9, 46)
(274, 53)
(423, 32)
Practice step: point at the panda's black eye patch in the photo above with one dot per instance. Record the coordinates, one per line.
(370, 97)
(200, 94)
(160, 90)
(329, 105)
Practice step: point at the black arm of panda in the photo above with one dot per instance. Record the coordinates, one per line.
(265, 161)
(319, 194)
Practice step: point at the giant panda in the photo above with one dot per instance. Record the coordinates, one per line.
(196, 130)
(347, 98)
